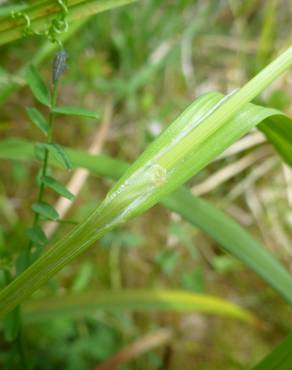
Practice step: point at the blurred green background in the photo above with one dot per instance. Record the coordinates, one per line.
(147, 62)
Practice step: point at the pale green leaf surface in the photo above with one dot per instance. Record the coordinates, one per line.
(37, 86)
(75, 111)
(139, 300)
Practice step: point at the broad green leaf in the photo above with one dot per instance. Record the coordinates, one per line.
(201, 133)
(37, 86)
(280, 135)
(59, 153)
(45, 210)
(280, 358)
(74, 111)
(141, 300)
(38, 119)
(57, 187)
(36, 235)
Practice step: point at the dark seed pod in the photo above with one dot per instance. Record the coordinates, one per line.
(59, 65)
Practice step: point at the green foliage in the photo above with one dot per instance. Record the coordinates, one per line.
(280, 358)
(200, 213)
(38, 119)
(74, 111)
(36, 235)
(58, 153)
(49, 20)
(45, 210)
(57, 187)
(37, 86)
(202, 132)
(79, 304)
(150, 72)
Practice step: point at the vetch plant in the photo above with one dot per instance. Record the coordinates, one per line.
(43, 210)
(199, 134)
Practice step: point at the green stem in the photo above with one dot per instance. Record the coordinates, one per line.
(46, 155)
(43, 13)
(46, 50)
(19, 339)
(21, 349)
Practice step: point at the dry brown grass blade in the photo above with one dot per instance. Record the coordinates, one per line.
(80, 176)
(136, 349)
(230, 171)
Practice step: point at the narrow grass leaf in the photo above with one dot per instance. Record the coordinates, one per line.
(75, 111)
(233, 238)
(200, 213)
(77, 305)
(44, 12)
(280, 358)
(45, 210)
(219, 226)
(209, 126)
(57, 187)
(37, 86)
(38, 119)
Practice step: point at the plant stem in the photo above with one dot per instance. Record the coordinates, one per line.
(21, 349)
(41, 14)
(19, 341)
(46, 154)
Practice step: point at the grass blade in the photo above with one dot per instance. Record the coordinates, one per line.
(232, 237)
(200, 213)
(138, 300)
(280, 358)
(75, 111)
(202, 132)
(43, 13)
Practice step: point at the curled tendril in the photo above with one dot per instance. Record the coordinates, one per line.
(27, 28)
(57, 26)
